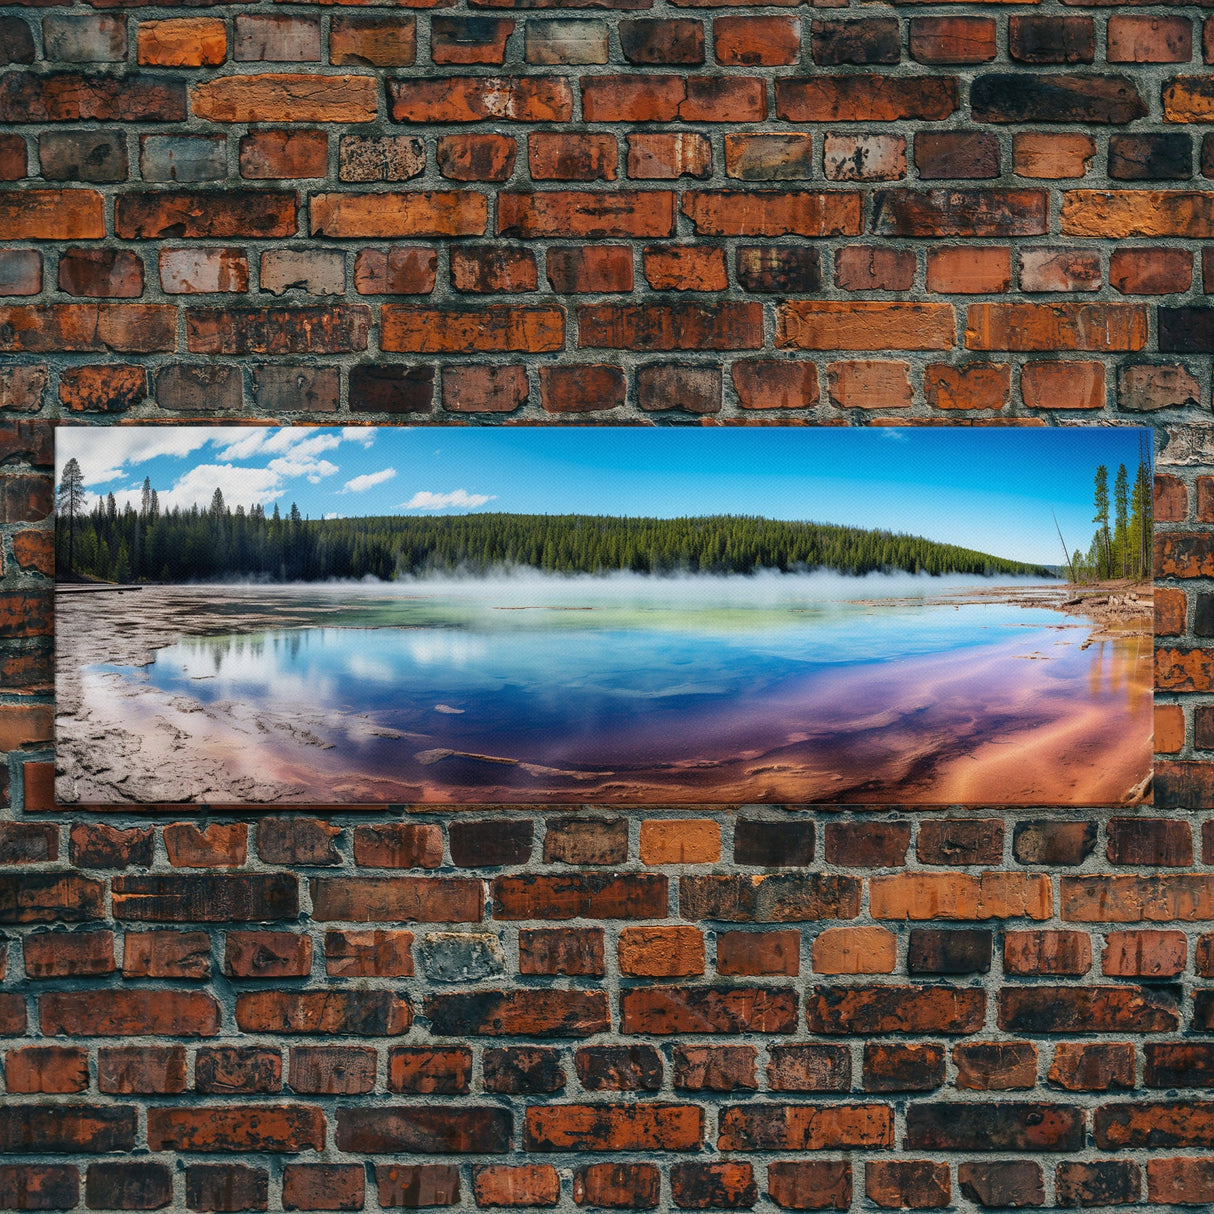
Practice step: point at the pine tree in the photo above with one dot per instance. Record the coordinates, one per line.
(71, 503)
(1104, 558)
(1120, 528)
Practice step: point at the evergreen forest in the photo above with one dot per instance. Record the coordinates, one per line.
(219, 543)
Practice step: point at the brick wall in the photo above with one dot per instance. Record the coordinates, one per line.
(979, 212)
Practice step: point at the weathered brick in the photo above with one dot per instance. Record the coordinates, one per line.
(439, 213)
(479, 98)
(1003, 1126)
(891, 1067)
(804, 1127)
(864, 97)
(899, 1184)
(182, 42)
(77, 97)
(940, 40)
(226, 1187)
(667, 386)
(960, 212)
(502, 327)
(894, 1009)
(469, 39)
(571, 41)
(283, 97)
(375, 41)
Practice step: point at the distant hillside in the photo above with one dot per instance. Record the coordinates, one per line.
(219, 543)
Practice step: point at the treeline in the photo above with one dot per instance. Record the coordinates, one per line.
(1122, 550)
(220, 543)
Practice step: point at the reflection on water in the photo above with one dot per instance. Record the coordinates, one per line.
(752, 699)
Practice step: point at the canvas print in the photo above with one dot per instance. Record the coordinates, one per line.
(361, 615)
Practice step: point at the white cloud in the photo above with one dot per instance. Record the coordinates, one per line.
(241, 486)
(423, 499)
(295, 465)
(893, 434)
(362, 434)
(294, 440)
(103, 451)
(361, 483)
(333, 514)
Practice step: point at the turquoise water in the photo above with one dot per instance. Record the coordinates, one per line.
(667, 685)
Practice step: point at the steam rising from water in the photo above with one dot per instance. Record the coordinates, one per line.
(767, 588)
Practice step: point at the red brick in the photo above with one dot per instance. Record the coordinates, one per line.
(1169, 719)
(25, 1186)
(656, 42)
(371, 1013)
(756, 41)
(706, 1009)
(969, 270)
(810, 1185)
(1136, 954)
(872, 384)
(937, 40)
(429, 1071)
(1051, 39)
(500, 327)
(480, 98)
(969, 212)
(664, 386)
(262, 954)
(855, 950)
(560, 156)
(1171, 607)
(724, 1185)
(772, 213)
(485, 269)
(130, 1185)
(365, 954)
(661, 952)
(247, 1127)
(864, 325)
(150, 1069)
(995, 1066)
(399, 845)
(894, 1009)
(516, 1013)
(435, 213)
(903, 1068)
(591, 270)
(378, 41)
(809, 1068)
(226, 1187)
(902, 1184)
(285, 97)
(484, 389)
(613, 1127)
(1062, 326)
(1051, 157)
(943, 155)
(973, 386)
(1134, 271)
(20, 272)
(1179, 1181)
(501, 1185)
(752, 954)
(416, 1185)
(1120, 213)
(476, 157)
(575, 951)
(409, 1129)
(332, 1070)
(668, 155)
(105, 327)
(568, 213)
(400, 270)
(76, 97)
(221, 844)
(1063, 385)
(685, 268)
(714, 1068)
(617, 1185)
(865, 97)
(316, 1186)
(874, 268)
(46, 1068)
(127, 1012)
(656, 98)
(108, 388)
(182, 42)
(1093, 1066)
(166, 954)
(1149, 39)
(228, 1069)
(677, 326)
(469, 39)
(1147, 388)
(581, 388)
(143, 215)
(804, 1127)
(1171, 499)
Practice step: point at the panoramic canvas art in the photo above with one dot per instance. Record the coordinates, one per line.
(623, 616)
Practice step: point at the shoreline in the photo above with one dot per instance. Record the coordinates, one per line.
(124, 743)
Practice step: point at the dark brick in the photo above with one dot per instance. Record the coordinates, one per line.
(490, 843)
(839, 42)
(1150, 157)
(758, 841)
(130, 1185)
(1004, 97)
(959, 951)
(391, 388)
(1052, 39)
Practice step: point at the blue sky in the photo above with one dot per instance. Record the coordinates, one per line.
(982, 487)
